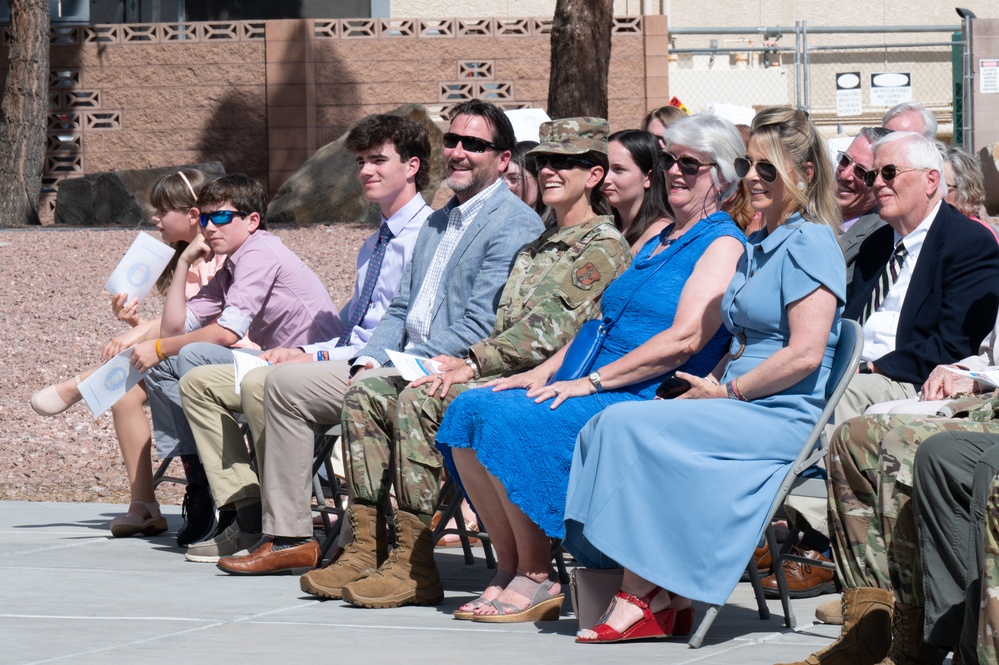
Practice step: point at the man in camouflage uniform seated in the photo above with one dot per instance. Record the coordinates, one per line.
(871, 464)
(389, 428)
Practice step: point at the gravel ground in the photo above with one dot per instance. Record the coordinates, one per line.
(55, 318)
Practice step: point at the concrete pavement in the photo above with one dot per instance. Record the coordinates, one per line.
(71, 593)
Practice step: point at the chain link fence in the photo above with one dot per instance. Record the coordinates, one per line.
(845, 77)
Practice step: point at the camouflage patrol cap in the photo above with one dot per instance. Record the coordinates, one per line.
(573, 136)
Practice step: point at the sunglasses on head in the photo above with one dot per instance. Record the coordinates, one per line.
(888, 173)
(558, 162)
(468, 143)
(220, 217)
(766, 170)
(687, 165)
(844, 162)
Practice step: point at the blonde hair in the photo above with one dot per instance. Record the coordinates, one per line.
(789, 139)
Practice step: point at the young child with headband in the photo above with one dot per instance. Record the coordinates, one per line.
(175, 199)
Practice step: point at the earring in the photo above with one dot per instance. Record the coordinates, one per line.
(801, 186)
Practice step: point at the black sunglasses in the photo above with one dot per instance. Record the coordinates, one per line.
(469, 143)
(687, 165)
(220, 217)
(888, 173)
(559, 162)
(844, 162)
(766, 170)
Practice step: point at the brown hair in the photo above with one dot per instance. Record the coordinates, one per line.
(410, 139)
(176, 192)
(240, 191)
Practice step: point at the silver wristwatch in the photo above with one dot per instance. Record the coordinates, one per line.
(594, 378)
(475, 368)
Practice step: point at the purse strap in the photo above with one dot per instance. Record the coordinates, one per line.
(608, 321)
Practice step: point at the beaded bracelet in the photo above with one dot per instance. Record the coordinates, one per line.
(738, 393)
(159, 349)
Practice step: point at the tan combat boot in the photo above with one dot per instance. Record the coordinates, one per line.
(362, 557)
(866, 634)
(907, 645)
(408, 577)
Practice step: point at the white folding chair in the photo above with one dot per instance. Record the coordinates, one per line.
(848, 350)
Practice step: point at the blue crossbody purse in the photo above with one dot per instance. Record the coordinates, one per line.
(586, 345)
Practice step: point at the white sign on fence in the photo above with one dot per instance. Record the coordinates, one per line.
(891, 88)
(848, 94)
(988, 76)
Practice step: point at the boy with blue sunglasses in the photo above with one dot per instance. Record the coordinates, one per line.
(263, 291)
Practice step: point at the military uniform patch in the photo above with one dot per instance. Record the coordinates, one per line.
(586, 276)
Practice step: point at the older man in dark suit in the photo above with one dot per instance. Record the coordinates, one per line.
(857, 202)
(924, 285)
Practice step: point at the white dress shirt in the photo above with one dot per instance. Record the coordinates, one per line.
(881, 327)
(405, 225)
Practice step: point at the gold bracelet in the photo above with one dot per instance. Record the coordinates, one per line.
(159, 349)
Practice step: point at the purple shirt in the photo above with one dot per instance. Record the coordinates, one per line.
(266, 292)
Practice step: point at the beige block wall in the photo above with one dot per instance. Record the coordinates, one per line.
(262, 97)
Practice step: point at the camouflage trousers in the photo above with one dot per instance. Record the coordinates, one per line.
(388, 439)
(988, 624)
(872, 528)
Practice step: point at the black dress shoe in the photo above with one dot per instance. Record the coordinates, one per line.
(198, 511)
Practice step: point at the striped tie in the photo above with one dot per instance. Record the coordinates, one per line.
(888, 277)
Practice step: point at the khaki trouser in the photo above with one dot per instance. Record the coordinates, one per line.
(209, 398)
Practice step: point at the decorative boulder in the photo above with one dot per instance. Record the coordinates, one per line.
(115, 198)
(325, 188)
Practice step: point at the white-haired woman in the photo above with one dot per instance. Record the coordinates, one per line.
(512, 445)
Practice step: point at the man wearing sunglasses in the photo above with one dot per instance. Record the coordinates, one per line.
(263, 291)
(924, 285)
(857, 202)
(447, 301)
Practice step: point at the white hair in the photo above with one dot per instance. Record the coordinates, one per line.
(716, 137)
(929, 122)
(921, 153)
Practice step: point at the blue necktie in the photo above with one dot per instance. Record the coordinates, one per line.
(370, 279)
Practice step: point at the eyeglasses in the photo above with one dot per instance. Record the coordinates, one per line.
(844, 162)
(888, 173)
(220, 217)
(559, 162)
(512, 178)
(468, 143)
(687, 165)
(766, 170)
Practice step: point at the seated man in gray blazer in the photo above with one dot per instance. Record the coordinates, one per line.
(447, 301)
(857, 202)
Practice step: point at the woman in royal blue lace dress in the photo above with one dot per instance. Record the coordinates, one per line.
(512, 445)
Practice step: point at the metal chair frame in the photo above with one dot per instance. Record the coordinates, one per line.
(849, 347)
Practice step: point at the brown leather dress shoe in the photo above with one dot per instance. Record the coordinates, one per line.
(761, 555)
(803, 580)
(265, 560)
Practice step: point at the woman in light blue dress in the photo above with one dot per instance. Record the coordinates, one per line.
(512, 445)
(677, 491)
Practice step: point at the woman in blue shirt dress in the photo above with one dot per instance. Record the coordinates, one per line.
(512, 449)
(653, 484)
